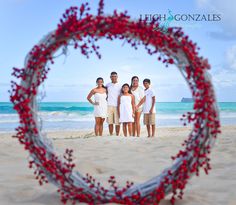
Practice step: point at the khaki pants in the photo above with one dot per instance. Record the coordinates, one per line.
(112, 115)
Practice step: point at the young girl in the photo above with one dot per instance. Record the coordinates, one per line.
(126, 108)
(100, 105)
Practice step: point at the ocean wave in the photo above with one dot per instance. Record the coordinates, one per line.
(88, 116)
(50, 117)
(67, 108)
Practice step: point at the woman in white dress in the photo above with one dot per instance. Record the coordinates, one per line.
(138, 93)
(126, 108)
(100, 105)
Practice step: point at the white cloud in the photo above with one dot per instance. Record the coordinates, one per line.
(202, 3)
(231, 57)
(126, 68)
(4, 84)
(228, 17)
(226, 77)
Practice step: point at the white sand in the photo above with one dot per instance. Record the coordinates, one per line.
(136, 159)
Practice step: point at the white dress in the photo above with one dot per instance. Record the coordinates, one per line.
(138, 95)
(126, 110)
(100, 110)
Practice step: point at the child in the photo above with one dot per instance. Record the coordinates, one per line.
(126, 108)
(149, 108)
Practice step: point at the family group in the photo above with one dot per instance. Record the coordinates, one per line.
(123, 104)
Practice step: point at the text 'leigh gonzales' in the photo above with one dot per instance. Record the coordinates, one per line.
(182, 17)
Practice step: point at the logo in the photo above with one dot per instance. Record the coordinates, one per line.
(166, 19)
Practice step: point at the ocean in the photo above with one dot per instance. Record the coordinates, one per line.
(79, 115)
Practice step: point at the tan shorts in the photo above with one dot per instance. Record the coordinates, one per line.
(112, 115)
(140, 109)
(149, 119)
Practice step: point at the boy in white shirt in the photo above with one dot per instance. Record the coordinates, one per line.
(113, 91)
(149, 108)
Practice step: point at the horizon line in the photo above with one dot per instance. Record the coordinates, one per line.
(88, 102)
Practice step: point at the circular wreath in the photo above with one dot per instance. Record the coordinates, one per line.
(82, 30)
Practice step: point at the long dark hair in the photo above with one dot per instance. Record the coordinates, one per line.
(131, 85)
(126, 84)
(100, 78)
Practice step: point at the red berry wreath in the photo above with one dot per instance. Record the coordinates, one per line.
(82, 30)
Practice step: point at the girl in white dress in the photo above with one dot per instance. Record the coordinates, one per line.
(126, 108)
(100, 105)
(138, 93)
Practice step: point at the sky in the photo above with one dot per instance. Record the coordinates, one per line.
(24, 22)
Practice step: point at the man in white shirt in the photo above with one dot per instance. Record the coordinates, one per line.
(113, 91)
(149, 108)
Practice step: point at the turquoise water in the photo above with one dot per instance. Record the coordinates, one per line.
(79, 115)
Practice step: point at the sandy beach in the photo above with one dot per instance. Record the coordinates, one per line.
(131, 158)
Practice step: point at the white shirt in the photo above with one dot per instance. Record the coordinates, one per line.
(138, 94)
(113, 90)
(149, 93)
